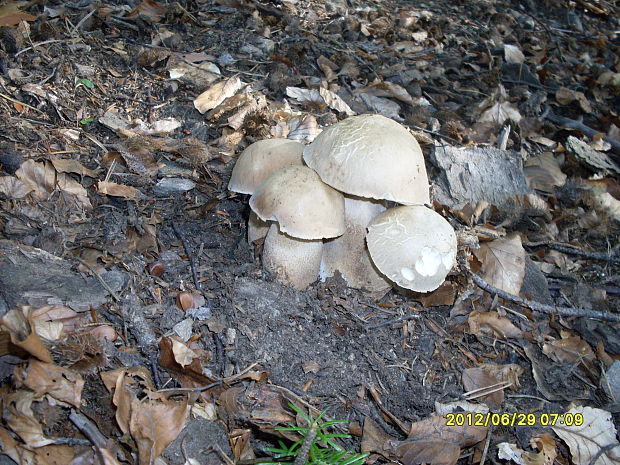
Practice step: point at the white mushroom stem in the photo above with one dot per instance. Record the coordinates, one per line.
(295, 262)
(413, 246)
(348, 253)
(257, 228)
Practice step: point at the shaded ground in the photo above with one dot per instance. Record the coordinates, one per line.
(438, 68)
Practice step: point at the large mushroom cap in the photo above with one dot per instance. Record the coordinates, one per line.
(371, 156)
(414, 247)
(260, 160)
(304, 206)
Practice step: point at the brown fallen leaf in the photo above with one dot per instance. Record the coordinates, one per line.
(12, 15)
(490, 323)
(432, 441)
(19, 325)
(20, 418)
(152, 420)
(60, 383)
(569, 349)
(118, 190)
(217, 93)
(503, 263)
(490, 374)
(67, 165)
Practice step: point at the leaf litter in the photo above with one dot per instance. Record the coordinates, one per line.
(102, 103)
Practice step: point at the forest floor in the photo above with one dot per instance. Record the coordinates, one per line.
(138, 324)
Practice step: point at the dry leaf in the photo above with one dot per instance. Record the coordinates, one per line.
(489, 374)
(513, 54)
(382, 106)
(568, 350)
(503, 263)
(328, 67)
(60, 383)
(433, 441)
(586, 441)
(182, 354)
(40, 177)
(13, 188)
(543, 172)
(118, 190)
(334, 101)
(219, 92)
(499, 113)
(19, 325)
(12, 15)
(565, 96)
(491, 324)
(67, 165)
(20, 418)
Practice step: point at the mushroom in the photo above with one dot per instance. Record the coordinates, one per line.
(255, 164)
(307, 211)
(260, 160)
(413, 246)
(348, 253)
(370, 156)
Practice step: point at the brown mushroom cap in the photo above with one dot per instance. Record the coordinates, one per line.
(371, 156)
(304, 206)
(260, 160)
(415, 247)
(295, 262)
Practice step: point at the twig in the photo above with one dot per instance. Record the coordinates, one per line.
(45, 42)
(205, 387)
(10, 99)
(304, 450)
(486, 445)
(539, 307)
(579, 126)
(190, 257)
(413, 316)
(486, 390)
(105, 285)
(606, 257)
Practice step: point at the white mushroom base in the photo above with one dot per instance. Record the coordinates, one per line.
(294, 262)
(348, 253)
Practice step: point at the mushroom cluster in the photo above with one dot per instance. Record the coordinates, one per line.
(322, 208)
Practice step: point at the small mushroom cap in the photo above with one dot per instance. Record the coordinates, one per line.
(305, 207)
(415, 247)
(371, 156)
(295, 262)
(260, 160)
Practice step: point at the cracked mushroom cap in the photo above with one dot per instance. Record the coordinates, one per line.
(260, 160)
(415, 247)
(371, 156)
(304, 206)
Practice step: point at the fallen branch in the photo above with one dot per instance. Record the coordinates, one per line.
(579, 126)
(602, 256)
(543, 308)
